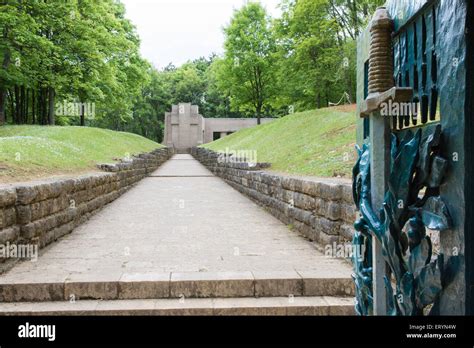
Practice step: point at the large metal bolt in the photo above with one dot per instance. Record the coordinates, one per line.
(381, 57)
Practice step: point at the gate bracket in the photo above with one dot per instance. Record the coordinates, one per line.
(375, 100)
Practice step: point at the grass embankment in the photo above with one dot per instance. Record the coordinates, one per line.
(313, 143)
(31, 152)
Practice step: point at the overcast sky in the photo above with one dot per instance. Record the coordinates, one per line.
(178, 30)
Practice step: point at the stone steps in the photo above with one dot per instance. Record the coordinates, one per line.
(276, 306)
(173, 286)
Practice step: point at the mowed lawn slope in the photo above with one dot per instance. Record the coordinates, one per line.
(30, 152)
(313, 143)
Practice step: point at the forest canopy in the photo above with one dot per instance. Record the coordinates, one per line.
(78, 62)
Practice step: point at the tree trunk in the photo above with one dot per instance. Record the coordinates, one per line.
(44, 109)
(33, 106)
(22, 104)
(39, 105)
(3, 97)
(17, 105)
(27, 105)
(355, 17)
(51, 95)
(83, 118)
(3, 91)
(259, 114)
(12, 105)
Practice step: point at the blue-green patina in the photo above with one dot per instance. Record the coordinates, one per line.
(430, 55)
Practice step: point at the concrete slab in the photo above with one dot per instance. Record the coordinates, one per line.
(212, 284)
(275, 306)
(288, 283)
(144, 285)
(184, 220)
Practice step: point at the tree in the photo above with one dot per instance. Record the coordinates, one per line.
(76, 50)
(317, 50)
(247, 70)
(21, 48)
(352, 15)
(86, 51)
(217, 99)
(310, 55)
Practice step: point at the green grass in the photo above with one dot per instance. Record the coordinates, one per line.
(313, 143)
(28, 152)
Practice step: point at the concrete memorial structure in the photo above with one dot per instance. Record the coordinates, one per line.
(186, 128)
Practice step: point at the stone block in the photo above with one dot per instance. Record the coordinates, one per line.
(23, 214)
(250, 307)
(331, 192)
(26, 194)
(333, 211)
(300, 215)
(347, 232)
(272, 180)
(310, 188)
(347, 194)
(341, 306)
(305, 229)
(348, 213)
(324, 239)
(210, 284)
(183, 307)
(292, 184)
(47, 238)
(278, 194)
(305, 306)
(31, 292)
(49, 207)
(10, 234)
(144, 286)
(8, 217)
(263, 188)
(78, 197)
(47, 224)
(278, 284)
(304, 201)
(327, 226)
(320, 206)
(329, 285)
(7, 197)
(93, 286)
(63, 230)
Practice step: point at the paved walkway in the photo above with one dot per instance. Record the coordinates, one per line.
(182, 219)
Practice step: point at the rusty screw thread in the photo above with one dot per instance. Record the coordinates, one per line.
(381, 59)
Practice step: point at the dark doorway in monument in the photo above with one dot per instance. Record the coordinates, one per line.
(216, 135)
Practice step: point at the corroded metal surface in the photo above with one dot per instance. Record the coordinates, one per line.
(412, 204)
(381, 63)
(380, 75)
(437, 71)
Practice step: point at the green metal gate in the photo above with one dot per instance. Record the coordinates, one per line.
(412, 182)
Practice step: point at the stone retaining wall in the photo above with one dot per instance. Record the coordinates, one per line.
(322, 210)
(40, 213)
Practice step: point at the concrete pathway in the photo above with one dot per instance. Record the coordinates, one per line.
(181, 220)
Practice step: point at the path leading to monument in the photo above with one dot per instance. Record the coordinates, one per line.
(181, 233)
